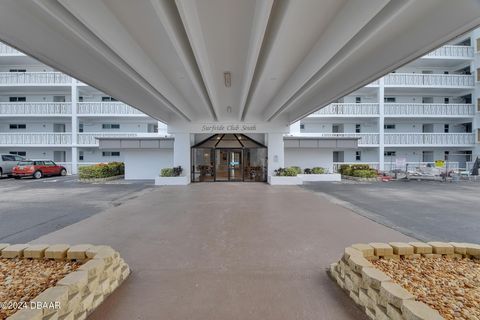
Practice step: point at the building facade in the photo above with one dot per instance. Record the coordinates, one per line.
(425, 111)
(46, 114)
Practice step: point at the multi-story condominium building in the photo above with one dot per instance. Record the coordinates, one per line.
(425, 111)
(49, 115)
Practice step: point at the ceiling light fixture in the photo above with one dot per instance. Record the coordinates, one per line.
(227, 76)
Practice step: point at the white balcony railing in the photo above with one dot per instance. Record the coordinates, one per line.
(34, 78)
(428, 109)
(9, 51)
(365, 138)
(106, 108)
(429, 80)
(350, 109)
(37, 138)
(35, 108)
(89, 138)
(464, 52)
(429, 139)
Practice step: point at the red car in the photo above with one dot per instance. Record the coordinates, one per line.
(37, 169)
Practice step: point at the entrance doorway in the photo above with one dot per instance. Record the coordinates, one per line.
(228, 158)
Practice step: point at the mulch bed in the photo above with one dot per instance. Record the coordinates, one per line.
(21, 280)
(451, 286)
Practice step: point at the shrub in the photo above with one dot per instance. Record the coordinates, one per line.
(360, 166)
(307, 171)
(287, 172)
(318, 170)
(102, 170)
(345, 169)
(171, 172)
(298, 170)
(364, 173)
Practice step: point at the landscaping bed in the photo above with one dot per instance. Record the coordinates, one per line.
(450, 286)
(41, 282)
(412, 281)
(101, 172)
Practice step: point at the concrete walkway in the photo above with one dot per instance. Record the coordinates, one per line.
(227, 251)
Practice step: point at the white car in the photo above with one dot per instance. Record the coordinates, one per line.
(7, 162)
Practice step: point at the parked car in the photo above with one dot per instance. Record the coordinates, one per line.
(37, 169)
(7, 162)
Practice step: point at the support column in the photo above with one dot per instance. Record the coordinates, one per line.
(381, 122)
(181, 153)
(74, 100)
(276, 152)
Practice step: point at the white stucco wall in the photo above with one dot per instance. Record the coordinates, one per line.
(309, 158)
(146, 164)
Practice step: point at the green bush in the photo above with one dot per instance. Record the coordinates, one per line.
(345, 169)
(364, 173)
(287, 172)
(360, 166)
(318, 170)
(171, 172)
(102, 170)
(298, 170)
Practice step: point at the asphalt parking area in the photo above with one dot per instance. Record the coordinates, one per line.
(30, 208)
(424, 210)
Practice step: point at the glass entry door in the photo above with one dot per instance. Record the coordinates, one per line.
(228, 165)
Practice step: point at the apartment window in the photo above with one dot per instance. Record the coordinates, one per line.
(15, 126)
(80, 99)
(80, 127)
(358, 99)
(357, 128)
(302, 126)
(111, 153)
(390, 99)
(19, 153)
(17, 99)
(446, 100)
(390, 154)
(389, 126)
(152, 127)
(17, 70)
(446, 154)
(446, 128)
(427, 99)
(105, 99)
(80, 155)
(358, 156)
(446, 72)
(110, 126)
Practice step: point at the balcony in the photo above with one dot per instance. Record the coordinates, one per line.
(9, 51)
(35, 109)
(34, 78)
(107, 109)
(429, 80)
(428, 110)
(429, 139)
(452, 52)
(366, 139)
(348, 109)
(88, 139)
(36, 139)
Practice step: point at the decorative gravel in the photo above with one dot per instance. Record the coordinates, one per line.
(451, 286)
(21, 280)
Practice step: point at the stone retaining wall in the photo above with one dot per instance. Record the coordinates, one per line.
(375, 292)
(79, 292)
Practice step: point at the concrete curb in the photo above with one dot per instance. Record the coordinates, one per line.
(78, 293)
(375, 292)
(99, 180)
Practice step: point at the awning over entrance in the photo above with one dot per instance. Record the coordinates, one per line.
(229, 157)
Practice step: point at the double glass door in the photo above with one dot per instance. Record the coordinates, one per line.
(228, 165)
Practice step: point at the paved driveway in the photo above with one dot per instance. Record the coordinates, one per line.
(30, 208)
(424, 210)
(227, 251)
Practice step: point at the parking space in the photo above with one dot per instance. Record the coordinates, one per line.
(30, 208)
(426, 210)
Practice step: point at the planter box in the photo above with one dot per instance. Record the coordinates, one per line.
(172, 181)
(320, 177)
(100, 180)
(284, 181)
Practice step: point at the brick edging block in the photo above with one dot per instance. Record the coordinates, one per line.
(79, 292)
(375, 292)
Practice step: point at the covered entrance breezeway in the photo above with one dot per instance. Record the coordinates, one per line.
(229, 157)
